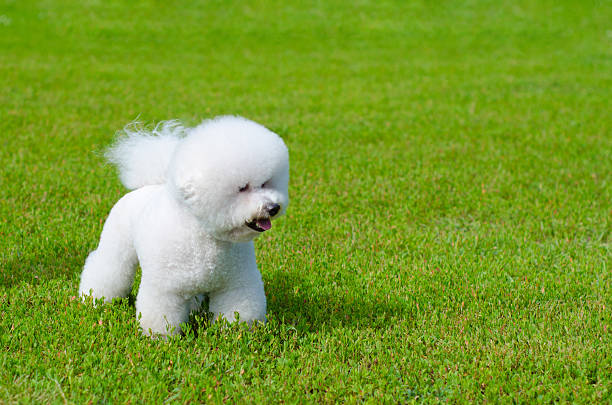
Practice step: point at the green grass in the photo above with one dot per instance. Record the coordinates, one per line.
(449, 233)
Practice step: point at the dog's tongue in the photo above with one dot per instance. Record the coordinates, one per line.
(264, 224)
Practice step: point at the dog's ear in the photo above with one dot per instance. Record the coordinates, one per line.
(184, 188)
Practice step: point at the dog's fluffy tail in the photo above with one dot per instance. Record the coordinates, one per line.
(142, 156)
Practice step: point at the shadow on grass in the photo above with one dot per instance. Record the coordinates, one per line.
(309, 305)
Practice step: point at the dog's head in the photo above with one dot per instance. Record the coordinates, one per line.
(233, 175)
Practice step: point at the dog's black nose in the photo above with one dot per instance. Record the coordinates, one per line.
(273, 209)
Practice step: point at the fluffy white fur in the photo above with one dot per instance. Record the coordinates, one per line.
(201, 195)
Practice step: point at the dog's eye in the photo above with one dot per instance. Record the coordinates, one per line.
(265, 184)
(244, 188)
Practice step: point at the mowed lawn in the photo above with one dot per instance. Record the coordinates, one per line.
(449, 232)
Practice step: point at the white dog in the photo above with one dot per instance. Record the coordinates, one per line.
(201, 196)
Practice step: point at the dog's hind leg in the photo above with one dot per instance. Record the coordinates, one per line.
(109, 270)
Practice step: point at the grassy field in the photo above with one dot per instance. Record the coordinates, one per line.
(449, 235)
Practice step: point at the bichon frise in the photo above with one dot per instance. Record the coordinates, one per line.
(201, 195)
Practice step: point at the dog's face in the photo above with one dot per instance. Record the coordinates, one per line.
(233, 176)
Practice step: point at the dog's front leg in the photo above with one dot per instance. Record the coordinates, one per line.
(161, 312)
(245, 298)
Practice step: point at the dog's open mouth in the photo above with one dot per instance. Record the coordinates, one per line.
(260, 224)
